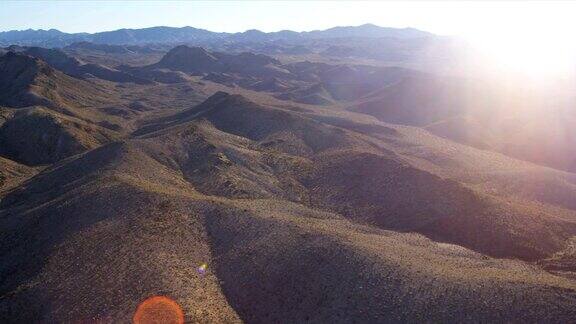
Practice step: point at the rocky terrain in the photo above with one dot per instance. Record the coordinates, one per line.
(313, 191)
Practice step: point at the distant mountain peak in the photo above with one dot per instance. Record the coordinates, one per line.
(370, 25)
(253, 31)
(186, 58)
(188, 34)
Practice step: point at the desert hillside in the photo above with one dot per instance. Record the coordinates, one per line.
(254, 178)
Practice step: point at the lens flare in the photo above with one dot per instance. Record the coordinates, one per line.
(202, 268)
(158, 309)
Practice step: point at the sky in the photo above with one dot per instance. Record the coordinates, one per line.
(442, 17)
(522, 32)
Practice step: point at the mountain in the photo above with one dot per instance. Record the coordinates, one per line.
(198, 60)
(467, 110)
(74, 67)
(19, 74)
(315, 94)
(173, 35)
(51, 115)
(154, 35)
(40, 136)
(520, 121)
(112, 56)
(29, 81)
(287, 209)
(190, 59)
(304, 187)
(367, 30)
(114, 49)
(247, 68)
(40, 37)
(13, 173)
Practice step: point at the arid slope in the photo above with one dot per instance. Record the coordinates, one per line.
(303, 213)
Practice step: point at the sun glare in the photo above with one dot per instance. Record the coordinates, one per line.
(532, 54)
(532, 39)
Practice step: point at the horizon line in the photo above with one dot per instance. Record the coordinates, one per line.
(188, 26)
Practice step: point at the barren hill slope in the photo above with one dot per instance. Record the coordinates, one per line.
(72, 66)
(236, 184)
(302, 212)
(53, 115)
(41, 136)
(13, 173)
(371, 180)
(197, 60)
(27, 81)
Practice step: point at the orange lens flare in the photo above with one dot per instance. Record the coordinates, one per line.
(158, 309)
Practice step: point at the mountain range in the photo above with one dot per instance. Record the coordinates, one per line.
(292, 183)
(172, 35)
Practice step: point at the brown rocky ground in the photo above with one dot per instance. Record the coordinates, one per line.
(302, 213)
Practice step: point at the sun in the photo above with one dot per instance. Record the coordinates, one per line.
(530, 53)
(535, 39)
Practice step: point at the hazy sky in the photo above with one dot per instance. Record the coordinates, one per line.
(448, 17)
(527, 33)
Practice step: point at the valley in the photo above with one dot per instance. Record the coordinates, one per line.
(314, 190)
